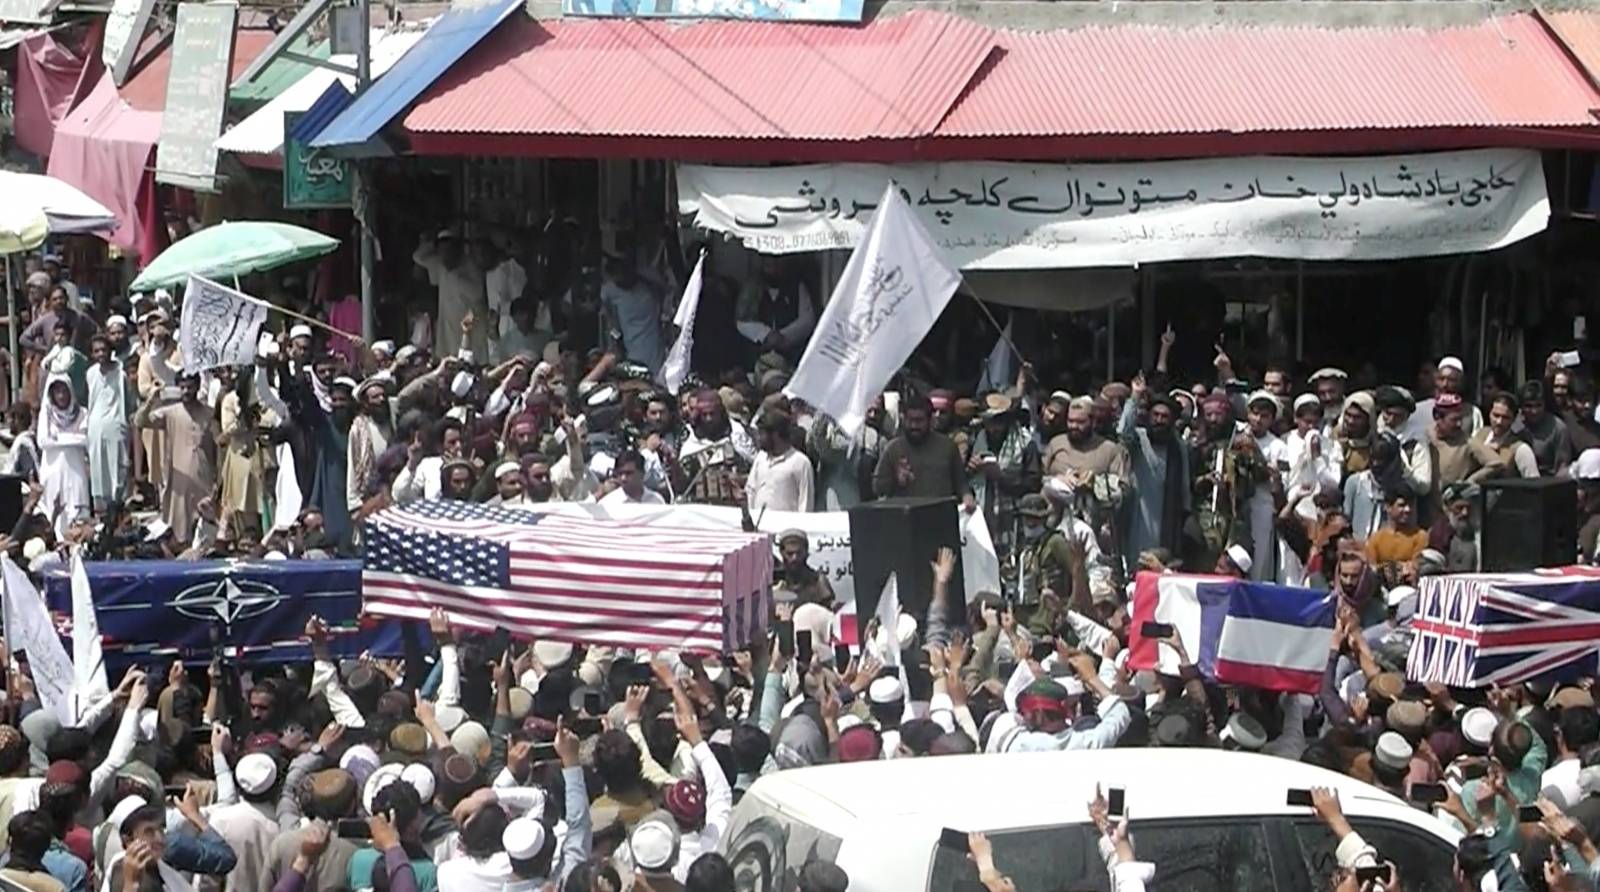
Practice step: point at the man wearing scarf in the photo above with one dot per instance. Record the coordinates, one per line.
(1160, 465)
(1229, 467)
(63, 439)
(1460, 456)
(159, 364)
(715, 452)
(1043, 718)
(1354, 432)
(331, 438)
(189, 431)
(1002, 465)
(371, 432)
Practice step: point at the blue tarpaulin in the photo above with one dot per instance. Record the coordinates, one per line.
(187, 609)
(456, 32)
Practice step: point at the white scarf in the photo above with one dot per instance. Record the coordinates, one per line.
(171, 880)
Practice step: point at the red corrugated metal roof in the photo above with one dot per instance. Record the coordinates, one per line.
(728, 79)
(1580, 31)
(880, 91)
(1507, 71)
(147, 89)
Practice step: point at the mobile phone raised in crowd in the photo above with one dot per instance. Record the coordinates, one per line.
(1571, 359)
(953, 839)
(175, 791)
(1428, 794)
(591, 704)
(1529, 814)
(1156, 630)
(544, 752)
(841, 656)
(785, 633)
(1114, 798)
(353, 828)
(1299, 798)
(802, 647)
(1042, 649)
(1474, 770)
(584, 727)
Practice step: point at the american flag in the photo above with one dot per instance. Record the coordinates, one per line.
(1479, 630)
(551, 576)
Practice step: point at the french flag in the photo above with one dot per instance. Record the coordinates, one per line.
(1265, 636)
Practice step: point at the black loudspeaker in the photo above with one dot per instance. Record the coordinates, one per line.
(12, 488)
(903, 536)
(1529, 523)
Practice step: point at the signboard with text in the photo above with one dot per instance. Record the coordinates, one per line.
(197, 95)
(312, 178)
(1000, 215)
(125, 27)
(770, 10)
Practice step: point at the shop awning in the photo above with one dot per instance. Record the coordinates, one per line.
(103, 147)
(1579, 31)
(147, 89)
(705, 92)
(261, 133)
(280, 74)
(451, 37)
(619, 79)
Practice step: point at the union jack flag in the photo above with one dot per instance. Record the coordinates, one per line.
(1479, 630)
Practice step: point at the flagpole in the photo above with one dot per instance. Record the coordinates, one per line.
(291, 313)
(993, 321)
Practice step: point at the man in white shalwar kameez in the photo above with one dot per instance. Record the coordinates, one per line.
(109, 410)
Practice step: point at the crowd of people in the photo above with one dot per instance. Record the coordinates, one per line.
(488, 765)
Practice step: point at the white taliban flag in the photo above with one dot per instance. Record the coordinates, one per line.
(29, 630)
(219, 326)
(893, 289)
(676, 366)
(88, 660)
(888, 616)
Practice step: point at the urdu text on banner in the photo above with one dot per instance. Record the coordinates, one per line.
(1004, 215)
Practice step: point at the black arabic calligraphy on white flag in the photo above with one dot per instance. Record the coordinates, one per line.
(220, 326)
(893, 289)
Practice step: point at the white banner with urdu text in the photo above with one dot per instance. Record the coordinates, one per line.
(1005, 215)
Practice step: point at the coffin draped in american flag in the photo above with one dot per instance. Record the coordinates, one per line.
(551, 576)
(1477, 630)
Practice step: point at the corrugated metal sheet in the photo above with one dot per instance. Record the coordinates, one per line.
(893, 78)
(147, 89)
(1506, 71)
(1580, 31)
(281, 73)
(450, 38)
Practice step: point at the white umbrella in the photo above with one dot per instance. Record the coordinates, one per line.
(38, 206)
(35, 207)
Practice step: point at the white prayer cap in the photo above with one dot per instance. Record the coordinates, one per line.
(384, 347)
(125, 806)
(523, 839)
(654, 843)
(1326, 372)
(1451, 362)
(1240, 557)
(300, 331)
(34, 548)
(1392, 751)
(377, 780)
(1073, 686)
(420, 777)
(163, 295)
(469, 738)
(1060, 396)
(847, 721)
(507, 467)
(256, 773)
(346, 382)
(360, 760)
(461, 385)
(1477, 727)
(1306, 399)
(446, 233)
(1245, 732)
(156, 530)
(117, 319)
(1587, 467)
(449, 717)
(886, 690)
(267, 347)
(405, 353)
(552, 654)
(1261, 396)
(905, 632)
(1399, 593)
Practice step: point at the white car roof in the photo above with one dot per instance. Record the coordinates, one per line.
(994, 792)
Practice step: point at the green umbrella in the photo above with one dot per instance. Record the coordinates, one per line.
(233, 249)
